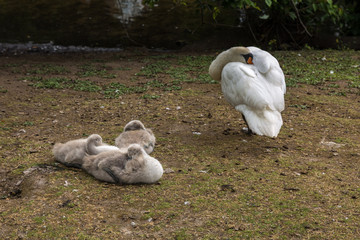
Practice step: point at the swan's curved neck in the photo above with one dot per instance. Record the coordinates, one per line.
(231, 55)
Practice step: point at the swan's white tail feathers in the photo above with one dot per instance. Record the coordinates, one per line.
(266, 122)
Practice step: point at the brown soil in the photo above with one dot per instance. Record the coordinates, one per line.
(318, 142)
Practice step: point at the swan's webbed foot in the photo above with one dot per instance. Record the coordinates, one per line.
(112, 175)
(248, 131)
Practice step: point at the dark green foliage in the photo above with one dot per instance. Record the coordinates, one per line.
(66, 22)
(294, 22)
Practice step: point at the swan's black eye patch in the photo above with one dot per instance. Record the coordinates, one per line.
(248, 58)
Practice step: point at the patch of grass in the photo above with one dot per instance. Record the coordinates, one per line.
(90, 70)
(40, 219)
(3, 90)
(155, 84)
(205, 78)
(28, 123)
(299, 106)
(66, 83)
(337, 93)
(114, 90)
(318, 67)
(123, 68)
(52, 83)
(181, 234)
(5, 128)
(154, 68)
(45, 69)
(86, 86)
(33, 78)
(196, 62)
(354, 84)
(172, 87)
(179, 74)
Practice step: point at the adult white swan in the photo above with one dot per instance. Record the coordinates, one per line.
(253, 82)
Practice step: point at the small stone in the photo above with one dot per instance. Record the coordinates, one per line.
(169, 170)
(33, 151)
(133, 224)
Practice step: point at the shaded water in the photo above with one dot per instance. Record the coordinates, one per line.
(110, 23)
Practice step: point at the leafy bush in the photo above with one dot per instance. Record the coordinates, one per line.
(274, 22)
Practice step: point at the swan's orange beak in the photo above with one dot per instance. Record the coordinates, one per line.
(249, 61)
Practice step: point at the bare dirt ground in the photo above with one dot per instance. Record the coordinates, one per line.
(220, 183)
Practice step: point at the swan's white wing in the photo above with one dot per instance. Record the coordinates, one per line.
(259, 101)
(277, 78)
(269, 66)
(262, 60)
(242, 86)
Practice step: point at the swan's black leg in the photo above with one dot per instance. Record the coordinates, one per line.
(248, 128)
(115, 178)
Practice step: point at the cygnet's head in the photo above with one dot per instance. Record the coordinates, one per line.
(136, 133)
(94, 139)
(134, 125)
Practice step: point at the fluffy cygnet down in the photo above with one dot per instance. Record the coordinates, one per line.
(94, 145)
(124, 166)
(71, 153)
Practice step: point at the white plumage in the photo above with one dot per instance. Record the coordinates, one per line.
(253, 82)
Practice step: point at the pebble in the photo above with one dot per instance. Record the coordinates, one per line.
(168, 170)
